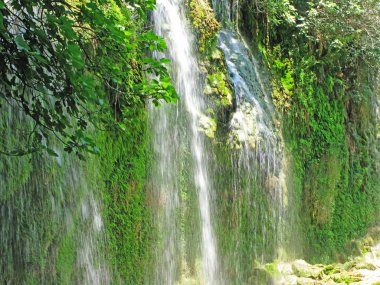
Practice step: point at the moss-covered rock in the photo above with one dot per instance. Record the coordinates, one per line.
(361, 270)
(303, 269)
(204, 23)
(208, 126)
(243, 129)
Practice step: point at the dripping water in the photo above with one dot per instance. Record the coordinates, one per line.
(51, 229)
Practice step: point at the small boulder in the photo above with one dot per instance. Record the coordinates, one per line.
(285, 268)
(365, 265)
(289, 280)
(307, 281)
(303, 269)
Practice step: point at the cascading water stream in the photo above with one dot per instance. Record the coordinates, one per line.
(170, 22)
(252, 127)
(258, 177)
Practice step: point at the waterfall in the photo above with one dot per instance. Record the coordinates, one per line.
(257, 180)
(170, 22)
(258, 164)
(252, 129)
(51, 228)
(227, 11)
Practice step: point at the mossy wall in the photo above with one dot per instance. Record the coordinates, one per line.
(44, 203)
(123, 165)
(41, 205)
(327, 100)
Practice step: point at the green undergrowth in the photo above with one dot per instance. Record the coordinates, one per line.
(44, 196)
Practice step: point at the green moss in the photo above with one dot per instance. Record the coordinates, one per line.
(122, 170)
(321, 188)
(271, 268)
(283, 80)
(330, 269)
(218, 85)
(32, 280)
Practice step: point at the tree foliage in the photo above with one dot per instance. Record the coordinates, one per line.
(348, 26)
(70, 64)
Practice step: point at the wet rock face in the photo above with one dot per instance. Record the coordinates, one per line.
(243, 128)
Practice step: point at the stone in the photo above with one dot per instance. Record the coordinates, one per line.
(303, 269)
(285, 268)
(307, 281)
(289, 280)
(365, 265)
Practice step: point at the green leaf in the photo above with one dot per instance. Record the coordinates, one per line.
(165, 61)
(122, 126)
(21, 43)
(39, 58)
(68, 29)
(75, 56)
(1, 21)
